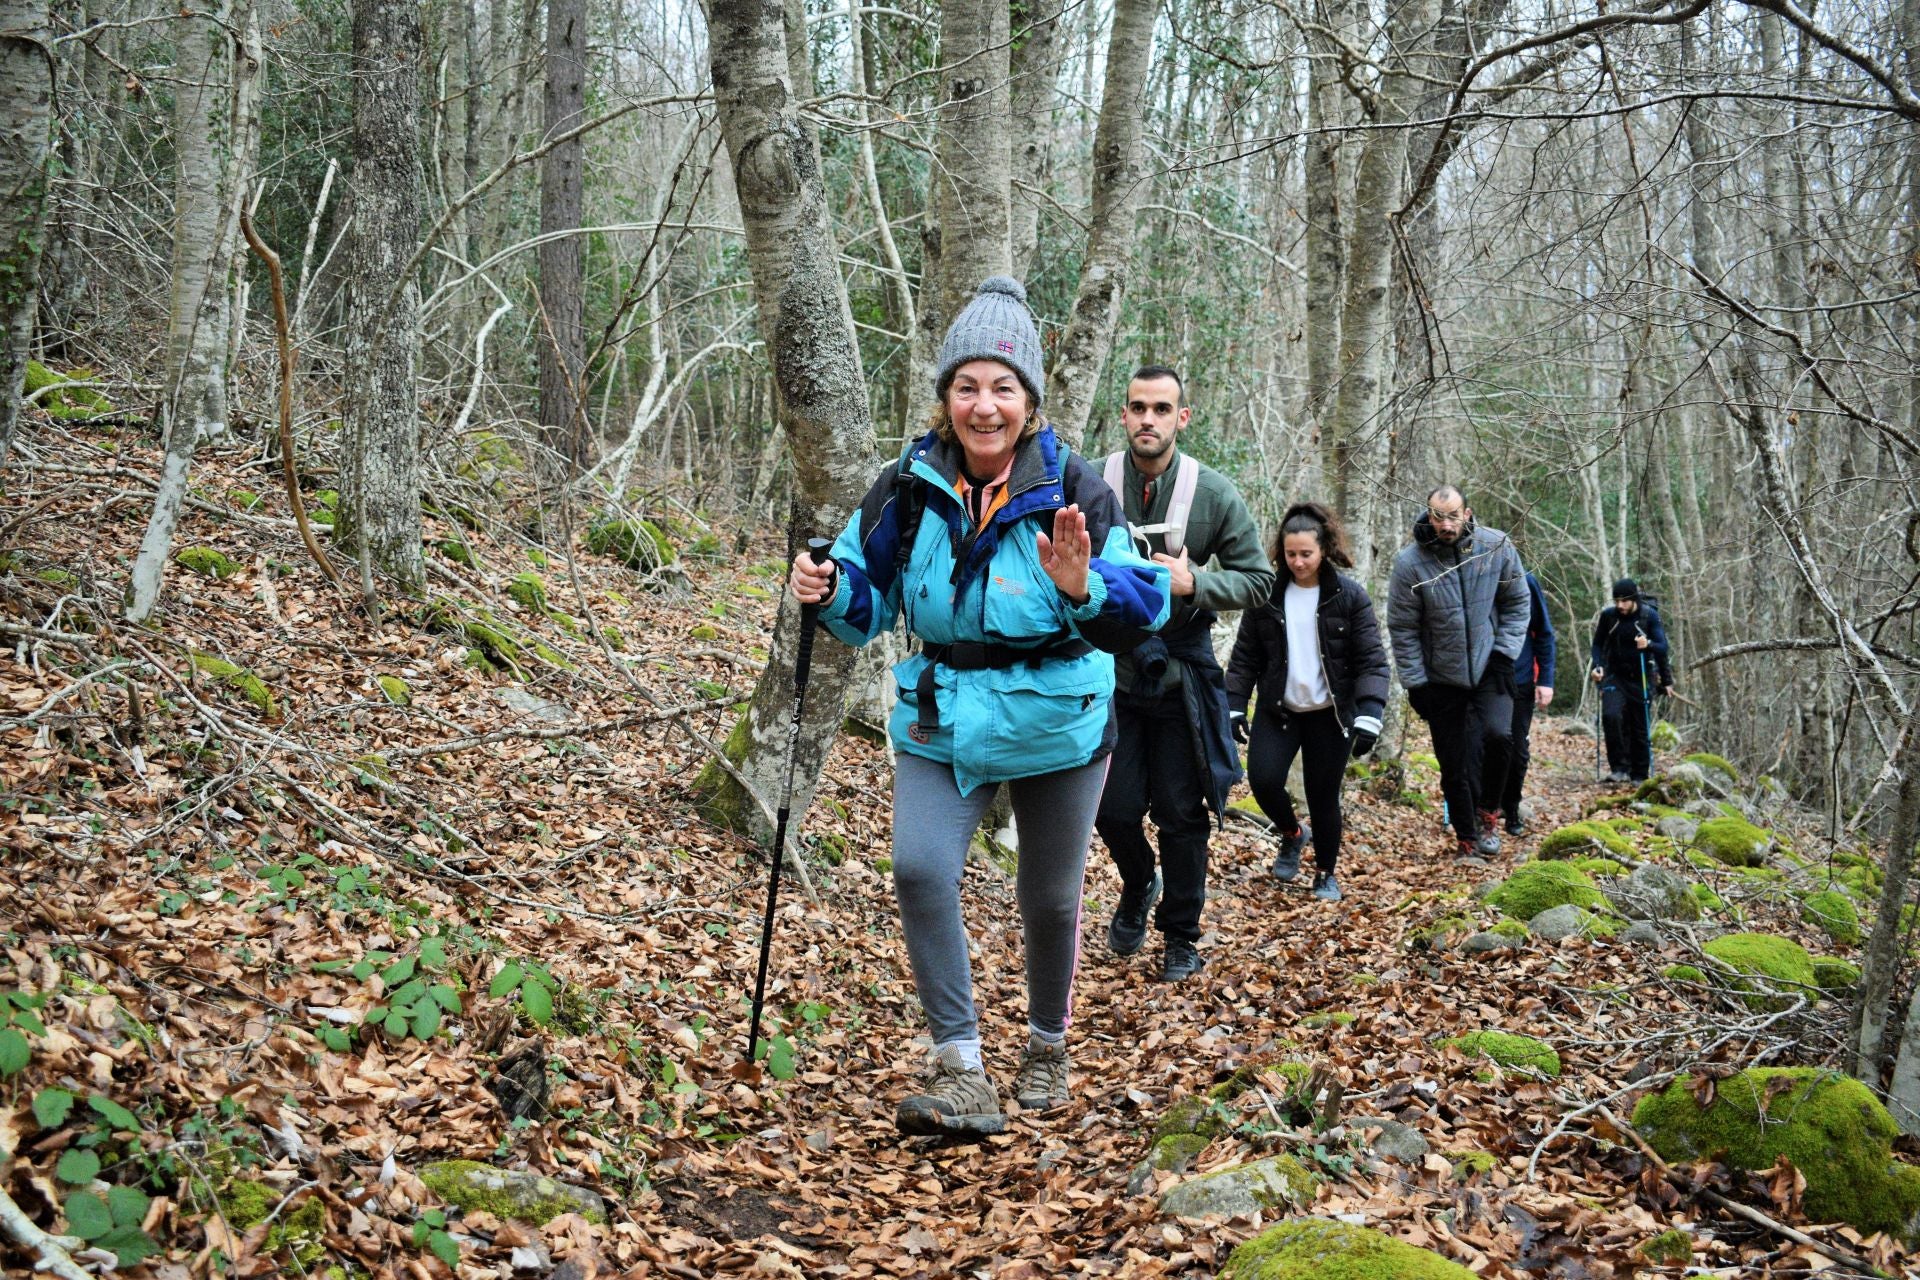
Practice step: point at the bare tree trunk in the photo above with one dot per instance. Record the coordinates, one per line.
(1082, 354)
(1034, 65)
(1355, 441)
(562, 340)
(823, 401)
(973, 153)
(26, 119)
(212, 115)
(380, 470)
(1874, 1015)
(1326, 249)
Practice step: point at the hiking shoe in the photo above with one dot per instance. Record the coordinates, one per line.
(1127, 931)
(1516, 825)
(1286, 863)
(1041, 1081)
(1618, 775)
(1467, 853)
(1325, 887)
(1488, 842)
(958, 1100)
(1180, 962)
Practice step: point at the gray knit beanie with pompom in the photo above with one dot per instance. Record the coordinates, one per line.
(995, 325)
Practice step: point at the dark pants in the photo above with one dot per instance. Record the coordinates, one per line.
(1472, 737)
(1278, 736)
(1628, 720)
(1521, 751)
(1155, 770)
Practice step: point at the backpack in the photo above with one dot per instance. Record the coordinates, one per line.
(1186, 480)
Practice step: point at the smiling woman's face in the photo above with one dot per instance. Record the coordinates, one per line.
(988, 407)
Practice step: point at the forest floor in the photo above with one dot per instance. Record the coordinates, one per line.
(291, 945)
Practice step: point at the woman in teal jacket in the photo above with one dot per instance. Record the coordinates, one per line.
(1008, 557)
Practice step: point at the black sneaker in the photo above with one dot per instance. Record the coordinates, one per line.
(1127, 931)
(1516, 826)
(1286, 863)
(1181, 961)
(1325, 887)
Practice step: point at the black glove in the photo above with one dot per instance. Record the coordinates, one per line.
(1419, 699)
(1366, 732)
(1238, 720)
(1500, 672)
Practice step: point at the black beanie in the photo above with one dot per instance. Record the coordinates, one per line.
(1626, 589)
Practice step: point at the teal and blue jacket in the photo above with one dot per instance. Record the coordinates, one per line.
(911, 551)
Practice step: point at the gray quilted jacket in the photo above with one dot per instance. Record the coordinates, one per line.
(1449, 608)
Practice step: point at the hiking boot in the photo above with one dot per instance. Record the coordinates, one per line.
(1488, 842)
(1041, 1081)
(1325, 887)
(1467, 853)
(1516, 825)
(958, 1100)
(1127, 931)
(1180, 962)
(1286, 863)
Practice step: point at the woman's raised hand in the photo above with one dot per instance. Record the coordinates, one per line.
(1066, 554)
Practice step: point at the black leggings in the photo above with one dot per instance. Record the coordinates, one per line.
(1278, 736)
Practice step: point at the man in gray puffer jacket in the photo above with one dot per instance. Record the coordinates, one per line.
(1457, 609)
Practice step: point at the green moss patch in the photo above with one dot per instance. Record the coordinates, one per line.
(1735, 842)
(395, 689)
(1683, 973)
(246, 1204)
(1831, 973)
(1508, 1050)
(1600, 866)
(1580, 839)
(1327, 1249)
(1767, 956)
(638, 544)
(506, 1194)
(1468, 1165)
(207, 562)
(1664, 736)
(1831, 1127)
(1327, 1018)
(1713, 763)
(237, 678)
(1671, 1248)
(1535, 886)
(1834, 912)
(529, 591)
(68, 400)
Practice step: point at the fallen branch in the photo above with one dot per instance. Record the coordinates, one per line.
(21, 631)
(53, 1253)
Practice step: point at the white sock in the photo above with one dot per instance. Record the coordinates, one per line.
(968, 1052)
(1047, 1037)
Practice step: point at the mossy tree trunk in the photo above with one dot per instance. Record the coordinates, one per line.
(26, 100)
(562, 339)
(816, 364)
(379, 517)
(214, 112)
(1074, 381)
(1873, 1016)
(973, 151)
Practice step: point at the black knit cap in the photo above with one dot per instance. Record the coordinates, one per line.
(1626, 589)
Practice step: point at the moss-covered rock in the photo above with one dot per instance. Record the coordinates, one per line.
(1859, 875)
(1831, 973)
(1768, 964)
(455, 550)
(1671, 1248)
(1600, 868)
(207, 562)
(1834, 912)
(1535, 886)
(245, 499)
(1509, 928)
(1831, 1127)
(237, 678)
(1174, 1153)
(1508, 1050)
(638, 544)
(1683, 973)
(395, 689)
(1277, 1183)
(1582, 839)
(529, 591)
(68, 400)
(1712, 763)
(1468, 1165)
(1733, 842)
(1327, 1249)
(1673, 788)
(1441, 933)
(1664, 736)
(1192, 1115)
(1327, 1018)
(510, 1193)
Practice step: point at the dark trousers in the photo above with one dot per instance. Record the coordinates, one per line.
(1472, 739)
(1155, 771)
(1278, 736)
(1628, 720)
(1521, 751)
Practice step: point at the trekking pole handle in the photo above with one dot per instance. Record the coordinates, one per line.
(817, 549)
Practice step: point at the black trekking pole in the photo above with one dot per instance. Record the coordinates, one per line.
(803, 659)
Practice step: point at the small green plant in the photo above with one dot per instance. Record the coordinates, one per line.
(430, 1233)
(113, 1224)
(19, 1018)
(414, 1004)
(534, 985)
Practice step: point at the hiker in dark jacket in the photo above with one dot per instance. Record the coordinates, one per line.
(1457, 611)
(1010, 561)
(1175, 757)
(1532, 688)
(1313, 651)
(1630, 665)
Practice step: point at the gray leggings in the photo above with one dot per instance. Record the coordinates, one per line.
(932, 826)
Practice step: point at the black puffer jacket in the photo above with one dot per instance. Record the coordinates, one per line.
(1355, 662)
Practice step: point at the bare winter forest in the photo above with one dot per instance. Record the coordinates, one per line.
(406, 409)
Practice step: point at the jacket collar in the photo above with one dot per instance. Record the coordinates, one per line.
(1426, 536)
(1036, 461)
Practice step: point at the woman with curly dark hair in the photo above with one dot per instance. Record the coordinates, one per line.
(1314, 653)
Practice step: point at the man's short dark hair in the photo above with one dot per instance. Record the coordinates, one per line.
(1445, 491)
(1154, 372)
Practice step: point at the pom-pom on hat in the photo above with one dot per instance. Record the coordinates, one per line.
(995, 325)
(1626, 589)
